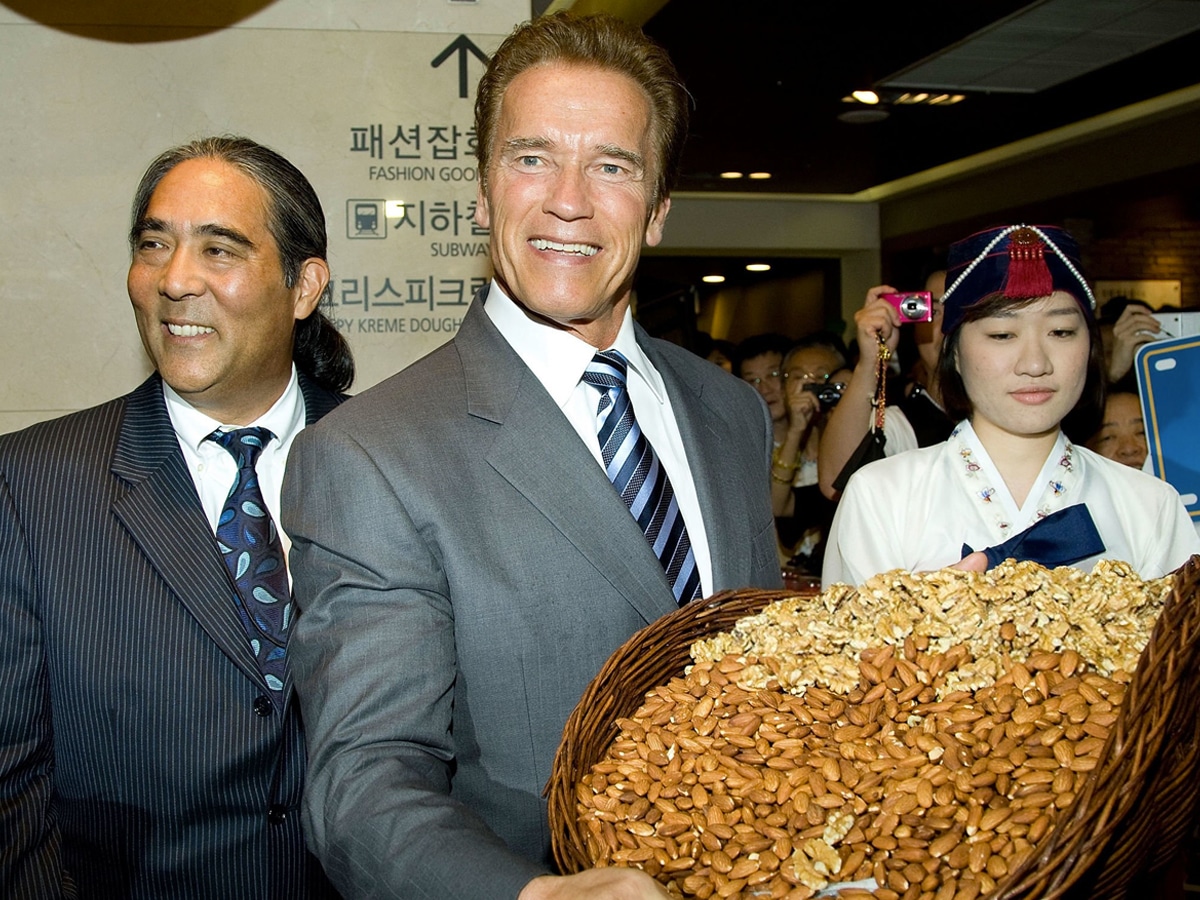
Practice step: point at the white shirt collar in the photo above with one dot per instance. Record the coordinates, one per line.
(556, 357)
(284, 418)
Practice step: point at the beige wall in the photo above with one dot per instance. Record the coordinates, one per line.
(86, 106)
(83, 115)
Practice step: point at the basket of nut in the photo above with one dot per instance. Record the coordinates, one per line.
(1023, 733)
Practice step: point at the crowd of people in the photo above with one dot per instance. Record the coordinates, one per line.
(264, 640)
(800, 382)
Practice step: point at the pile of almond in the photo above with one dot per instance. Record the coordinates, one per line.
(916, 781)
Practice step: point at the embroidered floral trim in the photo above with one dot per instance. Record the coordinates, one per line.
(1053, 494)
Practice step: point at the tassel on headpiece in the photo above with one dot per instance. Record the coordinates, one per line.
(1020, 262)
(1028, 273)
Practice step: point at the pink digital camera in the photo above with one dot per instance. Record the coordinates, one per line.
(913, 306)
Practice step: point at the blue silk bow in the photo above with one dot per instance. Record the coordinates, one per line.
(1060, 539)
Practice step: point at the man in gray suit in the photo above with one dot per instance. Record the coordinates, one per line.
(463, 561)
(149, 745)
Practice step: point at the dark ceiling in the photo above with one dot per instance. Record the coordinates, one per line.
(768, 79)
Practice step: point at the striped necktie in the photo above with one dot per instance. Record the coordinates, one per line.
(639, 477)
(253, 554)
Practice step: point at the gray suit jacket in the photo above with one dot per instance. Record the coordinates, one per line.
(140, 756)
(464, 569)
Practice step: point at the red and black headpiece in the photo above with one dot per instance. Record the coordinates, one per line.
(1019, 261)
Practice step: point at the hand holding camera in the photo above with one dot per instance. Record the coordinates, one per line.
(803, 405)
(877, 319)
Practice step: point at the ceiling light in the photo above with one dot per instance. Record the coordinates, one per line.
(731, 174)
(758, 267)
(760, 175)
(713, 279)
(904, 98)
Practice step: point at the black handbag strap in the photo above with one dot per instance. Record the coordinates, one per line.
(871, 447)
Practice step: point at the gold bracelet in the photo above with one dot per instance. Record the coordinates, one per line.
(775, 478)
(775, 461)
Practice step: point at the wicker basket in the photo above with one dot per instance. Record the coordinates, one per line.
(1127, 823)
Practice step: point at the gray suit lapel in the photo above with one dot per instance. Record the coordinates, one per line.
(317, 402)
(162, 514)
(538, 453)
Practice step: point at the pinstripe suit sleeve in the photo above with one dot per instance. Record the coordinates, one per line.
(30, 861)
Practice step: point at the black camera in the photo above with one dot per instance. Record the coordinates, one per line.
(828, 392)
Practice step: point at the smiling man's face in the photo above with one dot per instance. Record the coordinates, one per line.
(208, 290)
(569, 195)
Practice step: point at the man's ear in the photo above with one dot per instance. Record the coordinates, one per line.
(658, 217)
(314, 276)
(483, 214)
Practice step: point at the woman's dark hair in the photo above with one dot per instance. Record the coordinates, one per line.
(296, 222)
(1079, 424)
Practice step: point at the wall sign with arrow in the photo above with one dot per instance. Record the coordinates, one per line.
(462, 45)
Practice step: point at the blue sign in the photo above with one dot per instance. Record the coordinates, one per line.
(1168, 377)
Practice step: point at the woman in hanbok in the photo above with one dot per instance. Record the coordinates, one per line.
(1021, 367)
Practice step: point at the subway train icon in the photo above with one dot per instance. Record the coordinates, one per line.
(365, 220)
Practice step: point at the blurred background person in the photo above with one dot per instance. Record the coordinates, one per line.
(1122, 433)
(721, 354)
(1125, 325)
(758, 360)
(716, 351)
(814, 376)
(915, 416)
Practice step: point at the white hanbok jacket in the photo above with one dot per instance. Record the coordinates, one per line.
(916, 510)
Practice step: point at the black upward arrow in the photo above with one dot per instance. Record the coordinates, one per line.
(462, 46)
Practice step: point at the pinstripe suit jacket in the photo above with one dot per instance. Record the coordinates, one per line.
(465, 568)
(136, 758)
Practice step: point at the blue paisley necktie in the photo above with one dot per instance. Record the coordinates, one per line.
(639, 477)
(254, 556)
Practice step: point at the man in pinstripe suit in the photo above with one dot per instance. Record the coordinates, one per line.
(143, 753)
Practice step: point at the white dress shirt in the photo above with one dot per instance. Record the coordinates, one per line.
(212, 467)
(557, 358)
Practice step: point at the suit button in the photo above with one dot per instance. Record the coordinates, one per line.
(276, 814)
(263, 706)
